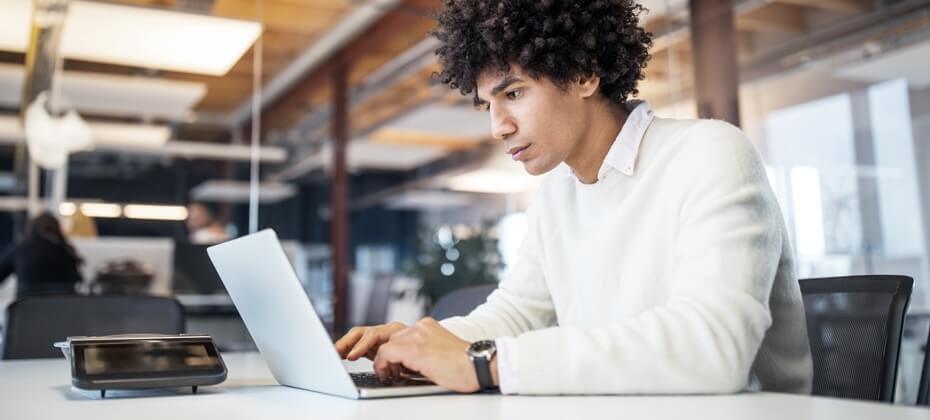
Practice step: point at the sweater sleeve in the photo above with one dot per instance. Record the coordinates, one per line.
(704, 338)
(520, 303)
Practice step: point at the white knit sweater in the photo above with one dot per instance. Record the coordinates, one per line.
(675, 278)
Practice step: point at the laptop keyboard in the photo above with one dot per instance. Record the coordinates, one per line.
(370, 380)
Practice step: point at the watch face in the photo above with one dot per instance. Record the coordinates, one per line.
(484, 348)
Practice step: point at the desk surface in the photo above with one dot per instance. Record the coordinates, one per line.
(40, 389)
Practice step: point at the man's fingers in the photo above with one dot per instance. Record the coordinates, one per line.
(365, 341)
(343, 347)
(373, 351)
(381, 368)
(362, 346)
(400, 334)
(344, 344)
(388, 355)
(395, 372)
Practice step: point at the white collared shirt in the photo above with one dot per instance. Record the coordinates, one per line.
(625, 148)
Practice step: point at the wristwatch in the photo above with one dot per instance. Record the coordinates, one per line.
(481, 353)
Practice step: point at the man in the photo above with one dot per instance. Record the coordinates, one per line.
(203, 225)
(656, 260)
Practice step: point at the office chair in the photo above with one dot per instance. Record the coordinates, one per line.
(855, 324)
(33, 324)
(379, 300)
(462, 301)
(923, 391)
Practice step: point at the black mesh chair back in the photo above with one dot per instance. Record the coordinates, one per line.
(461, 302)
(923, 391)
(855, 325)
(33, 324)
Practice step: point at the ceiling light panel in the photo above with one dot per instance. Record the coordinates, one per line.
(111, 94)
(103, 134)
(154, 212)
(138, 37)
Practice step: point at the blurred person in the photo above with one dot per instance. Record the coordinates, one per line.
(203, 225)
(43, 260)
(656, 261)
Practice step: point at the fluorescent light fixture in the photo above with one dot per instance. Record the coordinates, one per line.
(67, 208)
(365, 154)
(101, 210)
(221, 151)
(15, 18)
(11, 129)
(13, 203)
(139, 37)
(238, 192)
(412, 200)
(107, 135)
(111, 94)
(130, 211)
(154, 212)
(147, 139)
(495, 181)
(370, 155)
(446, 121)
(132, 135)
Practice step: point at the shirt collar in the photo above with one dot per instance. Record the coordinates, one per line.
(623, 152)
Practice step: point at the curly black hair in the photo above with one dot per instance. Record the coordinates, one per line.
(563, 40)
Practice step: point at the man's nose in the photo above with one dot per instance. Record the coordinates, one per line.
(502, 125)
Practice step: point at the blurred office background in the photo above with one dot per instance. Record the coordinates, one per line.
(321, 119)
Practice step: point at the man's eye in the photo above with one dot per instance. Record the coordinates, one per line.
(514, 94)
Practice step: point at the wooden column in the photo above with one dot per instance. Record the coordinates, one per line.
(716, 72)
(339, 187)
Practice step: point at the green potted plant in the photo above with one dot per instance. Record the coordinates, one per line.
(448, 261)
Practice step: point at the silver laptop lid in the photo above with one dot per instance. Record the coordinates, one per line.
(279, 315)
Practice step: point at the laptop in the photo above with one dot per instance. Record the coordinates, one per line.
(287, 330)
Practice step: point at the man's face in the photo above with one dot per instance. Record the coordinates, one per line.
(197, 217)
(539, 123)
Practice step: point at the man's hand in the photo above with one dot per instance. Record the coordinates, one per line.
(428, 348)
(365, 341)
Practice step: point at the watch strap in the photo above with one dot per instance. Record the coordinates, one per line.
(483, 371)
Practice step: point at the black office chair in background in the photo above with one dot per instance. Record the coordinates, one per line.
(33, 324)
(855, 325)
(379, 300)
(923, 391)
(461, 302)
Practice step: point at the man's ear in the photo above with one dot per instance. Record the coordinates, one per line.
(588, 85)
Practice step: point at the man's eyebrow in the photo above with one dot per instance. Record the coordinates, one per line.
(504, 84)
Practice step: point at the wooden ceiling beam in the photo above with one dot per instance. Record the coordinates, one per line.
(846, 6)
(393, 34)
(774, 17)
(293, 17)
(394, 102)
(394, 137)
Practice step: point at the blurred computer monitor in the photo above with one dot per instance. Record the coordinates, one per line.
(193, 271)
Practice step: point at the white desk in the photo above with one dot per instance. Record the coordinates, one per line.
(41, 390)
